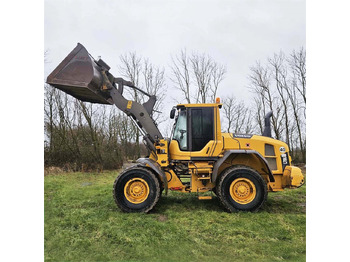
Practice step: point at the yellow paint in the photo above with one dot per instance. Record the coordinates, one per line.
(277, 185)
(162, 153)
(176, 153)
(292, 177)
(129, 105)
(200, 178)
(250, 160)
(173, 180)
(136, 190)
(205, 197)
(242, 191)
(215, 146)
(199, 105)
(169, 154)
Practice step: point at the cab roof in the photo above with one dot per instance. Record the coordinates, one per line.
(199, 105)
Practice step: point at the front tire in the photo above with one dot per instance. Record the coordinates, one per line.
(241, 188)
(136, 189)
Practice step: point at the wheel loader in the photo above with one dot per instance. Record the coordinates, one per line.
(240, 169)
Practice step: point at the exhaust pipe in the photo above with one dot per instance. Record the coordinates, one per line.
(267, 129)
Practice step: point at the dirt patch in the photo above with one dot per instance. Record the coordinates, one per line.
(52, 170)
(162, 218)
(277, 197)
(84, 184)
(303, 205)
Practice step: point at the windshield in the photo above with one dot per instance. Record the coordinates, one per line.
(180, 132)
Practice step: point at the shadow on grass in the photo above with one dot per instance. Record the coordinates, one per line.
(187, 203)
(276, 203)
(291, 203)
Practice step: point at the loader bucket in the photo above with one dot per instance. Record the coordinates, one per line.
(79, 75)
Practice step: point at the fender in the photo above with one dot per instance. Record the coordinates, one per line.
(156, 168)
(240, 151)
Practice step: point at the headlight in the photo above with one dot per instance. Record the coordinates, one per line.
(282, 149)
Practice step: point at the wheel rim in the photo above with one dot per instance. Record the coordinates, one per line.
(136, 190)
(242, 190)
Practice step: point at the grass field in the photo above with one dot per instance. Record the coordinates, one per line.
(82, 223)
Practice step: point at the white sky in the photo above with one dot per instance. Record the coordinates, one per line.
(235, 33)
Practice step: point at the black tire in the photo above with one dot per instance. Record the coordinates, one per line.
(149, 182)
(254, 189)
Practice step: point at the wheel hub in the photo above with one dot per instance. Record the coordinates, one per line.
(242, 190)
(136, 190)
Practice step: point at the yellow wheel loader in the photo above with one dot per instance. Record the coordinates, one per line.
(239, 168)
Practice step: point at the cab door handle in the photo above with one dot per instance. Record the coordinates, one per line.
(207, 150)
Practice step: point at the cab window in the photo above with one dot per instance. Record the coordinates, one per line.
(202, 123)
(180, 132)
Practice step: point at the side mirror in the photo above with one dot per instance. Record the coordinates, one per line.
(172, 113)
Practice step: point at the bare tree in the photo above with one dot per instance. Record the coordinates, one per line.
(260, 112)
(292, 94)
(240, 118)
(218, 72)
(145, 76)
(229, 111)
(181, 74)
(87, 110)
(202, 68)
(249, 123)
(130, 67)
(297, 62)
(154, 84)
(49, 112)
(260, 83)
(197, 76)
(280, 86)
(237, 115)
(297, 95)
(279, 72)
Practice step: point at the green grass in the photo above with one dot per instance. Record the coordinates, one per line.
(82, 223)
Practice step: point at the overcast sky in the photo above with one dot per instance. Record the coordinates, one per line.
(236, 33)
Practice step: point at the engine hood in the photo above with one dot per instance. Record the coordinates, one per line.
(252, 142)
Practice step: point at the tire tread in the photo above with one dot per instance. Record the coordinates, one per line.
(222, 177)
(156, 181)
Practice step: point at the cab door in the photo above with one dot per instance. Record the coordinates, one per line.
(201, 127)
(179, 144)
(205, 133)
(197, 135)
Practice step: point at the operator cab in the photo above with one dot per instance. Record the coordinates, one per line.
(194, 129)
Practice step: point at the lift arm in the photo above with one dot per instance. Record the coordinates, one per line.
(86, 79)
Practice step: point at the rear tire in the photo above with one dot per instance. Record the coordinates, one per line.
(136, 189)
(241, 188)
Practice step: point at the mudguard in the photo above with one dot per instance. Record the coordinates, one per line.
(156, 168)
(240, 151)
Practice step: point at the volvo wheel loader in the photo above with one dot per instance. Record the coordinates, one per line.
(198, 157)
